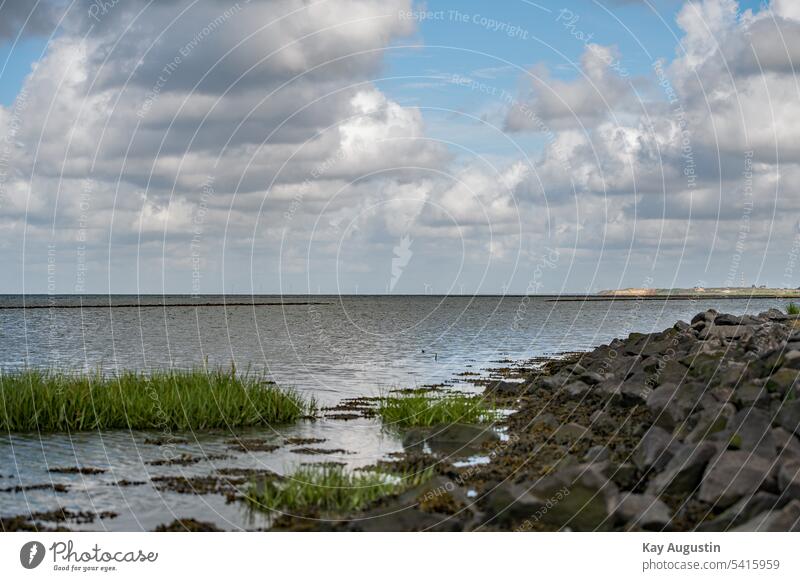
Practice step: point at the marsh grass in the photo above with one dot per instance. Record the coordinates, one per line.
(414, 409)
(53, 401)
(329, 489)
(793, 309)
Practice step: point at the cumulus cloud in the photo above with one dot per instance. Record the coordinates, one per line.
(711, 153)
(215, 120)
(250, 139)
(23, 18)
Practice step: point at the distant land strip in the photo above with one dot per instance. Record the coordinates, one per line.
(160, 305)
(694, 297)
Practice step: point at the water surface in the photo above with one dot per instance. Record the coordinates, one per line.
(336, 348)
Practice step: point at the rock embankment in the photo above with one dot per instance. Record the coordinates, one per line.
(692, 428)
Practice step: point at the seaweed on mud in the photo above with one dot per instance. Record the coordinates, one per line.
(251, 445)
(166, 441)
(86, 470)
(187, 525)
(303, 441)
(319, 451)
(187, 459)
(54, 486)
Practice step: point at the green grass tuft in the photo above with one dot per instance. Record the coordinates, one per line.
(430, 410)
(52, 401)
(328, 489)
(793, 309)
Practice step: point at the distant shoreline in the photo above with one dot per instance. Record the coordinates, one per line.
(691, 297)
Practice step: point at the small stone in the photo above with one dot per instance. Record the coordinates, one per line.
(576, 389)
(643, 511)
(597, 454)
(624, 475)
(568, 433)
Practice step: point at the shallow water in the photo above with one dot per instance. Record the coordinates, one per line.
(345, 347)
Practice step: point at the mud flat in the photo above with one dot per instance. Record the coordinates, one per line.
(692, 428)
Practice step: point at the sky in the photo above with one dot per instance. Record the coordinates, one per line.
(392, 146)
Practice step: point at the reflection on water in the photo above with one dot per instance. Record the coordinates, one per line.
(344, 347)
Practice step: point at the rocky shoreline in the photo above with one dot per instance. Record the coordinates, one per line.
(692, 428)
(696, 427)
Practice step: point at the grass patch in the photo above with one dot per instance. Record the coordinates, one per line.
(52, 401)
(328, 489)
(793, 309)
(430, 410)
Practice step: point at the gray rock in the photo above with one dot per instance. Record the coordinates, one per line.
(711, 421)
(773, 315)
(597, 454)
(624, 475)
(733, 475)
(634, 390)
(787, 446)
(672, 404)
(708, 315)
(751, 395)
(788, 416)
(587, 500)
(783, 380)
(592, 378)
(725, 332)
(789, 478)
(576, 389)
(655, 449)
(554, 382)
(786, 519)
(508, 388)
(751, 431)
(743, 511)
(683, 473)
(724, 319)
(643, 511)
(571, 432)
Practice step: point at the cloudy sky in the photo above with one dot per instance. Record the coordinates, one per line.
(379, 146)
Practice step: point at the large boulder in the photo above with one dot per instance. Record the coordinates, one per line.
(788, 416)
(683, 473)
(576, 498)
(786, 519)
(744, 510)
(733, 475)
(789, 479)
(655, 449)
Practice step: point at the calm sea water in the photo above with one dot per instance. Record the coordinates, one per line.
(337, 348)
